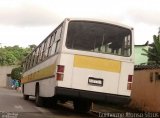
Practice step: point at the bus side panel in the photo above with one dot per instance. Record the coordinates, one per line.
(29, 88)
(126, 69)
(44, 75)
(46, 86)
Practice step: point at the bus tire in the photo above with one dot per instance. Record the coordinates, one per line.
(25, 97)
(82, 106)
(39, 100)
(50, 102)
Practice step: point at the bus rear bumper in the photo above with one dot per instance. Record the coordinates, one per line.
(94, 96)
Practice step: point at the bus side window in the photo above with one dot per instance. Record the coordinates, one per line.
(49, 46)
(36, 56)
(43, 52)
(57, 39)
(53, 46)
(33, 59)
(39, 55)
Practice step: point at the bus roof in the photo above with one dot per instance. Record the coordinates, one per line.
(101, 21)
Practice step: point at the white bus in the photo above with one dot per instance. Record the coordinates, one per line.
(81, 60)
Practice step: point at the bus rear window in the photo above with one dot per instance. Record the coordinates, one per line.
(99, 38)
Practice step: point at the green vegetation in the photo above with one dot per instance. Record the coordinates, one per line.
(16, 73)
(153, 52)
(14, 55)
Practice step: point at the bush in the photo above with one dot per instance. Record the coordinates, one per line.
(16, 73)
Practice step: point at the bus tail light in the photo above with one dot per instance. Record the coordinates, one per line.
(59, 76)
(130, 80)
(60, 72)
(129, 86)
(60, 69)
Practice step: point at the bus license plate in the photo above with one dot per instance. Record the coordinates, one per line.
(95, 81)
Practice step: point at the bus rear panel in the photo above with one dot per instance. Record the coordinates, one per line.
(98, 62)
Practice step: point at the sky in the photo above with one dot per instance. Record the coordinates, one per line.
(26, 22)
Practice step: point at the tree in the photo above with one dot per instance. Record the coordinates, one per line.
(14, 55)
(16, 73)
(153, 51)
(10, 59)
(2, 58)
(32, 47)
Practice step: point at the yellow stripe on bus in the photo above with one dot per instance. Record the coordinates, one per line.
(40, 74)
(97, 63)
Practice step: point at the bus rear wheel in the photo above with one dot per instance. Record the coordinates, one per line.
(39, 100)
(50, 102)
(82, 105)
(25, 97)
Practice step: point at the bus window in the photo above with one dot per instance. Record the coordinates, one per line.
(58, 34)
(49, 46)
(99, 37)
(57, 38)
(36, 56)
(44, 50)
(33, 59)
(39, 54)
(53, 45)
